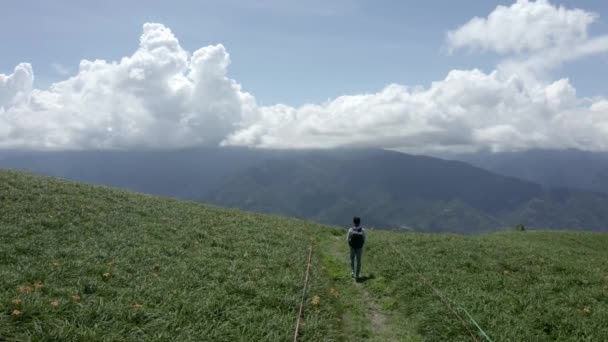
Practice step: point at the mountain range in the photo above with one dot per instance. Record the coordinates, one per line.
(556, 168)
(387, 189)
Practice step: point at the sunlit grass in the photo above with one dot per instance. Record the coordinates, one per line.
(519, 286)
(79, 262)
(90, 263)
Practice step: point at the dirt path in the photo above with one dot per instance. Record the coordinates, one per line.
(376, 317)
(363, 319)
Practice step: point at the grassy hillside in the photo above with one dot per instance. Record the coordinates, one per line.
(529, 286)
(115, 265)
(79, 262)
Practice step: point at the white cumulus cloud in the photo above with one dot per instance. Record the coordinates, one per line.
(159, 97)
(465, 111)
(16, 87)
(524, 26)
(163, 96)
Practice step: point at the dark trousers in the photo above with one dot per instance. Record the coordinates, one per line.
(356, 253)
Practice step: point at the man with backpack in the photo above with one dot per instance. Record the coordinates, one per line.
(356, 240)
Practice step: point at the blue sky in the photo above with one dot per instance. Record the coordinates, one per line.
(281, 51)
(420, 76)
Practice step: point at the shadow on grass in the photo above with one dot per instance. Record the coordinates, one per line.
(365, 278)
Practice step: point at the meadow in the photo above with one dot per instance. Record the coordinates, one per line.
(88, 263)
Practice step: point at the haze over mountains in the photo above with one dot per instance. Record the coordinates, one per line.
(389, 189)
(564, 168)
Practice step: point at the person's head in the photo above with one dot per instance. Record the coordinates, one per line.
(356, 221)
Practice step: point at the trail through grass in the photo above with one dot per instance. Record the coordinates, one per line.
(363, 315)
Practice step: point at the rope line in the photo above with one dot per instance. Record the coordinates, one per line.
(295, 334)
(475, 322)
(446, 300)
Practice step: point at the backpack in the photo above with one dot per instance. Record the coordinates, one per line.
(356, 238)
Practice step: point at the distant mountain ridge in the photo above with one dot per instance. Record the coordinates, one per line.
(389, 189)
(397, 191)
(186, 173)
(562, 168)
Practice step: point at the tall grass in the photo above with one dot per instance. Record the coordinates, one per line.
(108, 264)
(519, 286)
(86, 263)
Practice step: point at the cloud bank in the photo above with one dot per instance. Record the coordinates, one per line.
(163, 96)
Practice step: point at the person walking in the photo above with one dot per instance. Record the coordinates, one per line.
(356, 240)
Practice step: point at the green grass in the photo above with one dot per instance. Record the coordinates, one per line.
(151, 268)
(532, 285)
(146, 268)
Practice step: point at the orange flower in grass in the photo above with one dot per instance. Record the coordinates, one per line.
(136, 306)
(25, 289)
(316, 300)
(17, 302)
(333, 292)
(55, 303)
(76, 298)
(16, 313)
(38, 284)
